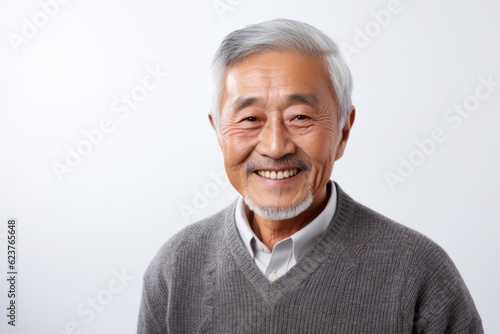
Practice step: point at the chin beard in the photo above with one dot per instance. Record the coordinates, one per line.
(281, 213)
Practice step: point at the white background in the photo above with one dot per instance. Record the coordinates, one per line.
(126, 198)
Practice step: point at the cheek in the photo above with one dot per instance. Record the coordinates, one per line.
(322, 161)
(319, 145)
(235, 151)
(320, 150)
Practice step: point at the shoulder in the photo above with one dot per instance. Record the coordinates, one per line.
(191, 243)
(370, 237)
(431, 286)
(366, 229)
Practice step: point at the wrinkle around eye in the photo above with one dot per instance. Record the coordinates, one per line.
(241, 130)
(242, 126)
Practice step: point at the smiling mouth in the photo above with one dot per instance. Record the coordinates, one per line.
(278, 175)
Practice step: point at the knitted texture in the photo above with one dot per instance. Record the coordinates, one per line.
(366, 274)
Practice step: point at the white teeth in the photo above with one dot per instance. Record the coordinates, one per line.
(282, 174)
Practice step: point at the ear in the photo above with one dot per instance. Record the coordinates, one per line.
(212, 123)
(346, 131)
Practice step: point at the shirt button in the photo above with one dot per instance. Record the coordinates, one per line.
(273, 277)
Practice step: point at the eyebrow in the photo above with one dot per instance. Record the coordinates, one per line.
(308, 99)
(243, 102)
(300, 98)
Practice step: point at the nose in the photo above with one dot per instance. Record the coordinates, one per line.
(275, 140)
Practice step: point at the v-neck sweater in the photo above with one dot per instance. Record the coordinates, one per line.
(365, 274)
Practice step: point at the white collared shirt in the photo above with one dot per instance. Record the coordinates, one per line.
(287, 252)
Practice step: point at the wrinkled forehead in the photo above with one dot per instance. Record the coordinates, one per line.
(277, 72)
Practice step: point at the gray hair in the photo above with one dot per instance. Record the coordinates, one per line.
(281, 35)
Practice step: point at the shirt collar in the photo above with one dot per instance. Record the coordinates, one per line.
(303, 240)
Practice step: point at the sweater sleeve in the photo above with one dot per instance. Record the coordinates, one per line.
(439, 301)
(153, 309)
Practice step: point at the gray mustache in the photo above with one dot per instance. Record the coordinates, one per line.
(284, 162)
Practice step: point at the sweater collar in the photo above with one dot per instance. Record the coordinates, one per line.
(329, 247)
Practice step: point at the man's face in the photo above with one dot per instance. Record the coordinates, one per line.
(279, 129)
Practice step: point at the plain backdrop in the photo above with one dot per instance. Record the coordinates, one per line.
(84, 241)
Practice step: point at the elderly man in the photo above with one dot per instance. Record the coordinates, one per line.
(295, 254)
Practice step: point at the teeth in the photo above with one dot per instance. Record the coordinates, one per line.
(280, 175)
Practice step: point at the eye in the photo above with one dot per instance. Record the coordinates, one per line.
(301, 117)
(250, 119)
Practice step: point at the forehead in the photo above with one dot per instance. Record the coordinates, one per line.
(279, 70)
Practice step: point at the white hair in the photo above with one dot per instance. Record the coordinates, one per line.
(281, 35)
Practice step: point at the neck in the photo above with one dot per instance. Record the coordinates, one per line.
(270, 232)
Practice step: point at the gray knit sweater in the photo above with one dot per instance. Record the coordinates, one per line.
(366, 274)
